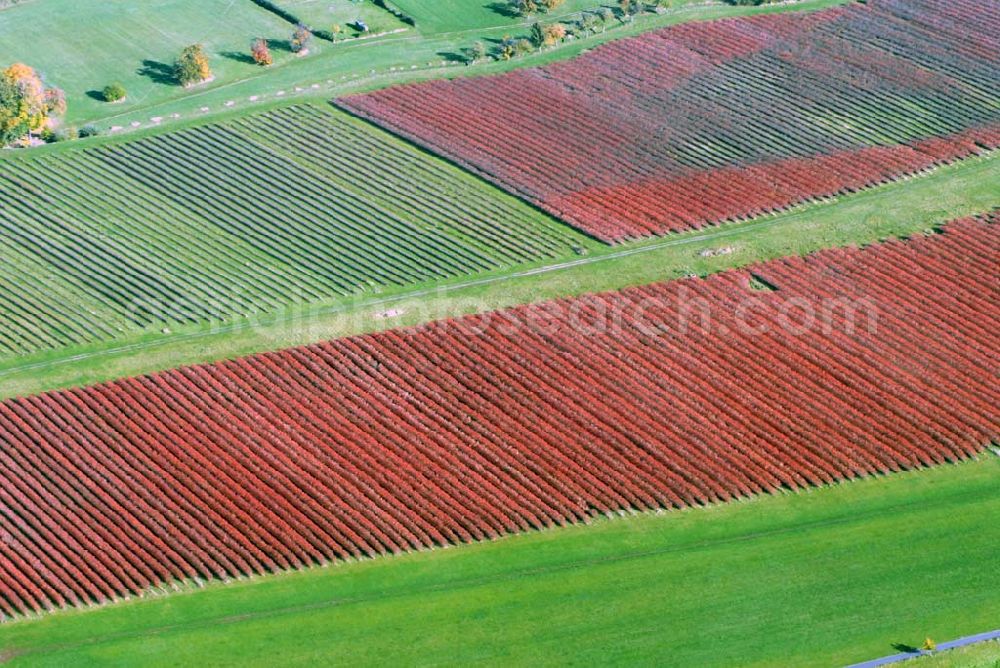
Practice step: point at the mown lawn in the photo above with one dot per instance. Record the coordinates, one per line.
(324, 14)
(823, 577)
(443, 16)
(83, 46)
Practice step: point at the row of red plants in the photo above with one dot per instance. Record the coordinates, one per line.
(670, 395)
(716, 121)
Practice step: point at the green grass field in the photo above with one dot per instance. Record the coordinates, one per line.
(907, 207)
(819, 578)
(323, 14)
(81, 47)
(446, 16)
(223, 221)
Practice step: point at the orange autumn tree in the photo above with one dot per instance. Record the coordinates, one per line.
(261, 53)
(26, 105)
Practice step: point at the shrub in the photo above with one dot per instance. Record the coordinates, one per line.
(88, 131)
(588, 22)
(475, 53)
(64, 134)
(300, 38)
(192, 66)
(114, 92)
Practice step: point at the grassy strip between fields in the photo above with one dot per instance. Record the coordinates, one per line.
(823, 577)
(983, 655)
(903, 208)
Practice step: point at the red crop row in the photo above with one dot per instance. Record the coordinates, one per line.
(682, 393)
(712, 121)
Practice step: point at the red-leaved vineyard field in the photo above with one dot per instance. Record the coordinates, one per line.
(706, 122)
(688, 392)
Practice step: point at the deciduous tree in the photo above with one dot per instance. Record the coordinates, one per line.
(547, 35)
(26, 106)
(192, 66)
(554, 34)
(114, 92)
(524, 7)
(261, 53)
(300, 38)
(475, 53)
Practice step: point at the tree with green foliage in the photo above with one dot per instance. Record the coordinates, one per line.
(114, 92)
(13, 121)
(475, 53)
(192, 66)
(588, 22)
(524, 7)
(549, 35)
(537, 34)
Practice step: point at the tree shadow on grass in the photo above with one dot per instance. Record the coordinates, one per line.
(503, 9)
(903, 647)
(452, 57)
(96, 95)
(158, 72)
(280, 45)
(239, 57)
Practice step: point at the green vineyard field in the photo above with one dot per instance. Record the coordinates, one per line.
(221, 221)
